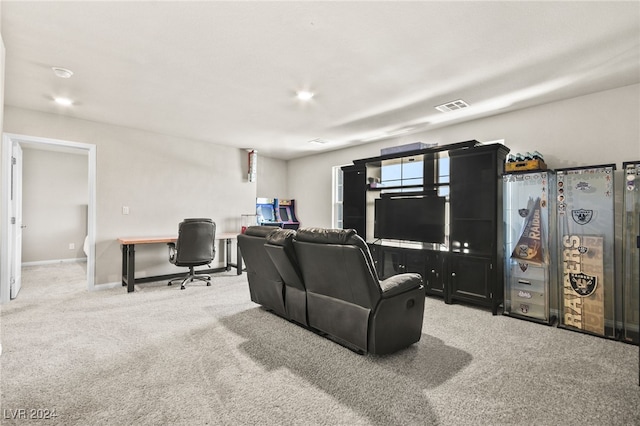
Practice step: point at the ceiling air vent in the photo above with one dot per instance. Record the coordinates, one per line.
(452, 106)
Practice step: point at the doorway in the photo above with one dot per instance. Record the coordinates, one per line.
(10, 257)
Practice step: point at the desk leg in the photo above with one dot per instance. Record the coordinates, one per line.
(125, 257)
(229, 265)
(131, 268)
(238, 260)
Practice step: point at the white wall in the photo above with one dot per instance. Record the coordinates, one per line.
(272, 178)
(2, 61)
(161, 179)
(54, 205)
(600, 128)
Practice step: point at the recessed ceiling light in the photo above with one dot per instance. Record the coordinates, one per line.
(64, 101)
(304, 95)
(62, 72)
(452, 106)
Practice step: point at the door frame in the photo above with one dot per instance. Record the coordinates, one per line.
(15, 210)
(5, 208)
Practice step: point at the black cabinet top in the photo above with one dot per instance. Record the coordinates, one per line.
(498, 147)
(432, 150)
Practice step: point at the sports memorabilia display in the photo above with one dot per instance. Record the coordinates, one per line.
(528, 276)
(630, 267)
(585, 258)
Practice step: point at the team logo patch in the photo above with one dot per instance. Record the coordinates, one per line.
(524, 308)
(583, 249)
(585, 187)
(524, 294)
(523, 266)
(582, 216)
(583, 284)
(523, 212)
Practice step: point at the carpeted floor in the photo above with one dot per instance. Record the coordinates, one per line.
(209, 356)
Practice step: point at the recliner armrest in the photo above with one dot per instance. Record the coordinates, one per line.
(399, 284)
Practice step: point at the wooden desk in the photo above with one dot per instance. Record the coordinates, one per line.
(129, 258)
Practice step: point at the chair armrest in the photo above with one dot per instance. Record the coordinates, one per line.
(172, 252)
(399, 284)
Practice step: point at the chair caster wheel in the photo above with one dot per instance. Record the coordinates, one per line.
(182, 287)
(170, 283)
(208, 284)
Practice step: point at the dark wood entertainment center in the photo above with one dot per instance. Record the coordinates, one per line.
(468, 265)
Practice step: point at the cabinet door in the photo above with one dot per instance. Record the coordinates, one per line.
(399, 261)
(433, 282)
(375, 255)
(414, 261)
(354, 199)
(470, 279)
(392, 262)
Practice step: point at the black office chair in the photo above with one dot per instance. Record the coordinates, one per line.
(195, 247)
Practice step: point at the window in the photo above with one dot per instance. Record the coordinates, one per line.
(443, 174)
(337, 194)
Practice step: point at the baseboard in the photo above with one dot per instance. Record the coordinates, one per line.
(54, 261)
(108, 286)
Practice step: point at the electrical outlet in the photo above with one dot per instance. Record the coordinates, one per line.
(125, 209)
(72, 246)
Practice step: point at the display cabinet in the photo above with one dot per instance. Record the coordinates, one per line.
(436, 211)
(585, 243)
(529, 277)
(630, 241)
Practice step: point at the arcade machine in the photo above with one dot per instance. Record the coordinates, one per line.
(275, 212)
(287, 212)
(267, 212)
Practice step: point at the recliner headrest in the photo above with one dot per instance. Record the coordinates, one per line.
(330, 236)
(259, 231)
(281, 237)
(198, 219)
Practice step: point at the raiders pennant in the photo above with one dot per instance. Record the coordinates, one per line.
(529, 246)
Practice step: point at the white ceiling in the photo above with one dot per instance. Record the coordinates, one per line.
(227, 72)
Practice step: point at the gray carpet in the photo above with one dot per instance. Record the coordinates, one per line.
(209, 356)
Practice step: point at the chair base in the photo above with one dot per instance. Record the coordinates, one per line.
(191, 276)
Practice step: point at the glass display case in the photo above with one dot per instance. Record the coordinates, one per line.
(630, 267)
(529, 220)
(585, 243)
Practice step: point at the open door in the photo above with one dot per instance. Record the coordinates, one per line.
(11, 208)
(15, 252)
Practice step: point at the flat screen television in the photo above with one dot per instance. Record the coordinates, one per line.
(418, 218)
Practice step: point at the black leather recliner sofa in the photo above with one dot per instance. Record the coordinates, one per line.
(346, 300)
(331, 286)
(266, 286)
(280, 249)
